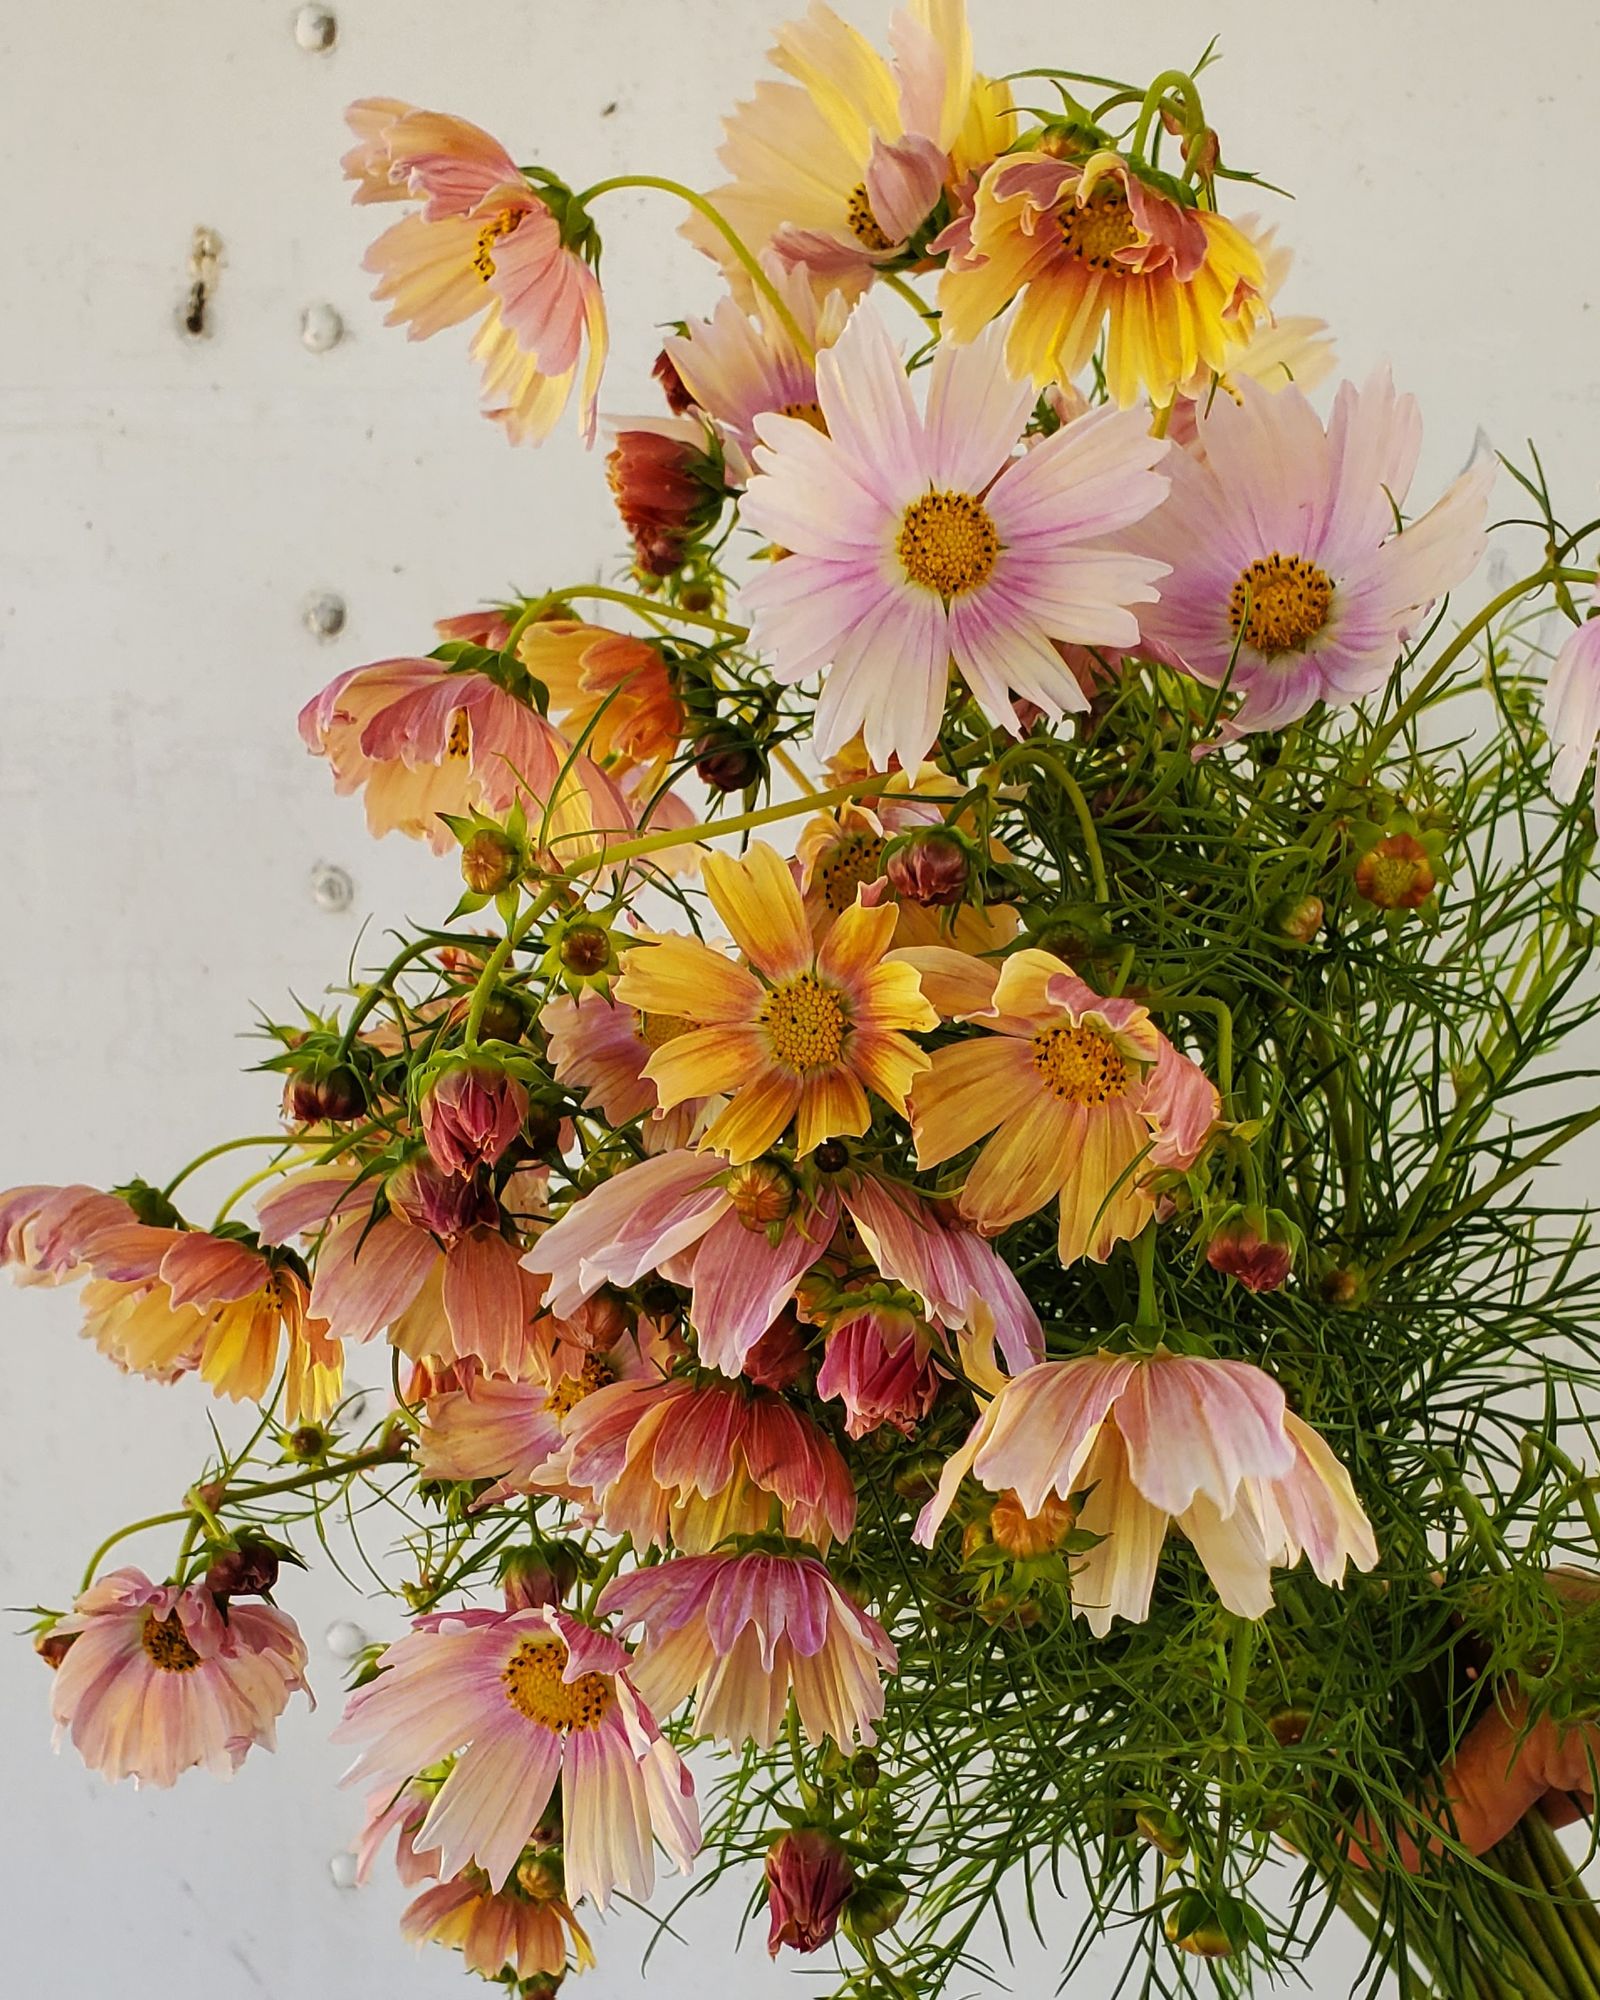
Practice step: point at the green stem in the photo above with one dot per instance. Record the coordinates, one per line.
(1183, 85)
(648, 605)
(1050, 763)
(494, 965)
(216, 1152)
(911, 295)
(725, 230)
(374, 991)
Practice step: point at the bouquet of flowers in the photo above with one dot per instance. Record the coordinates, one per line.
(953, 1205)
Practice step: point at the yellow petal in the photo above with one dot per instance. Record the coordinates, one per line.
(703, 1062)
(682, 976)
(1024, 1164)
(966, 1093)
(757, 899)
(754, 1118)
(954, 983)
(832, 1104)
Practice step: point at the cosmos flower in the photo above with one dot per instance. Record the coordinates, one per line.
(524, 1927)
(530, 1700)
(798, 1033)
(600, 1047)
(1085, 1097)
(809, 1882)
(609, 691)
(1157, 1439)
(1572, 709)
(879, 1363)
(157, 1680)
(482, 242)
(1290, 581)
(742, 1632)
(1088, 243)
(918, 539)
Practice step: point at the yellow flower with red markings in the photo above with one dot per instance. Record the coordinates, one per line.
(799, 1033)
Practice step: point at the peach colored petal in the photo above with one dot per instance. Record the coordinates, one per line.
(757, 899)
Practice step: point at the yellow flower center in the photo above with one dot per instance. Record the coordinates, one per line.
(947, 543)
(458, 743)
(1095, 232)
(853, 859)
(571, 1390)
(863, 223)
(655, 1029)
(806, 1022)
(808, 413)
(163, 1639)
(489, 235)
(534, 1688)
(1279, 603)
(1080, 1065)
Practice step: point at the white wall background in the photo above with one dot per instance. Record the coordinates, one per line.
(170, 505)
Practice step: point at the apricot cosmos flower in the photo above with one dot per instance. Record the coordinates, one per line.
(483, 242)
(157, 1680)
(531, 1699)
(1290, 581)
(744, 1631)
(1088, 244)
(919, 539)
(525, 1927)
(1161, 1438)
(799, 1033)
(1085, 1096)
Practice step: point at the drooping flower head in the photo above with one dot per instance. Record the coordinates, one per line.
(1289, 579)
(157, 1680)
(482, 242)
(918, 539)
(524, 1927)
(879, 1363)
(1089, 244)
(1572, 709)
(742, 1632)
(419, 739)
(798, 1033)
(528, 1699)
(809, 1881)
(608, 690)
(1157, 1439)
(471, 1112)
(1085, 1097)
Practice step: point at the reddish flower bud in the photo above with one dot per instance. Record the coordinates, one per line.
(1295, 920)
(658, 482)
(931, 866)
(250, 1570)
(1397, 874)
(1256, 1247)
(470, 1114)
(447, 1205)
(778, 1359)
(53, 1647)
(673, 387)
(325, 1095)
(809, 1880)
(490, 861)
(531, 1577)
(726, 762)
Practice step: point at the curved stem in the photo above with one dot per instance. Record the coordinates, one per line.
(1048, 761)
(1182, 84)
(647, 605)
(911, 295)
(494, 965)
(374, 991)
(216, 1152)
(729, 235)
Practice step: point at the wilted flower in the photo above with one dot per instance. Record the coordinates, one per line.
(524, 1927)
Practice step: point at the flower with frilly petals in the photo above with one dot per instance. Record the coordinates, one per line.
(1088, 243)
(690, 1463)
(742, 1631)
(738, 366)
(800, 1033)
(837, 169)
(1290, 581)
(156, 1680)
(601, 1048)
(610, 692)
(434, 1267)
(1160, 1438)
(481, 239)
(1089, 1097)
(419, 739)
(809, 1881)
(529, 1699)
(524, 1927)
(471, 1112)
(920, 539)
(879, 1363)
(1572, 709)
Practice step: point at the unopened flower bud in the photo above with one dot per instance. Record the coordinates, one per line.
(1289, 1726)
(831, 1157)
(324, 1094)
(876, 1906)
(1021, 1534)
(541, 1878)
(471, 1112)
(662, 486)
(308, 1443)
(760, 1193)
(250, 1570)
(931, 866)
(865, 1770)
(1295, 920)
(1196, 1925)
(538, 1576)
(490, 861)
(1397, 874)
(673, 387)
(809, 1880)
(1343, 1286)
(504, 1017)
(1165, 1832)
(726, 761)
(1255, 1247)
(778, 1359)
(585, 949)
(53, 1647)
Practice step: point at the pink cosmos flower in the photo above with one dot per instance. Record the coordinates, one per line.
(156, 1680)
(471, 1113)
(690, 1463)
(742, 1631)
(921, 539)
(1156, 1439)
(601, 1048)
(879, 1363)
(433, 1268)
(420, 740)
(482, 242)
(1286, 564)
(1572, 709)
(529, 1699)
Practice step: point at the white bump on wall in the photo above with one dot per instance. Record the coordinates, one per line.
(344, 1638)
(321, 328)
(342, 1869)
(332, 887)
(324, 614)
(315, 29)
